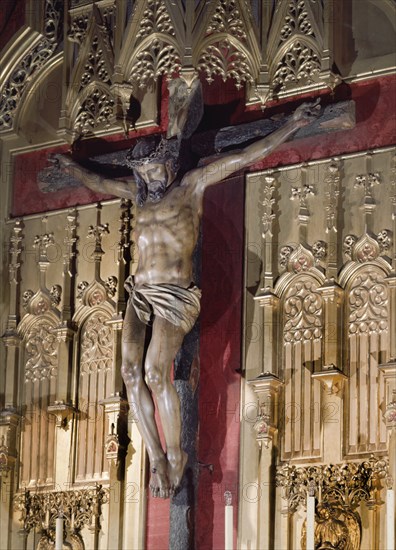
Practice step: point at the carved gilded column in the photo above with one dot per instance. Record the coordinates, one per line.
(266, 388)
(366, 182)
(331, 375)
(266, 297)
(391, 279)
(301, 194)
(11, 339)
(389, 369)
(9, 419)
(65, 331)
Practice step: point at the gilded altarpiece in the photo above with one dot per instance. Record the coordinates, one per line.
(319, 350)
(67, 296)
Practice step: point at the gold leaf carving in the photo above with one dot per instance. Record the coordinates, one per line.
(303, 312)
(159, 58)
(227, 19)
(42, 352)
(96, 344)
(296, 21)
(224, 59)
(96, 110)
(368, 304)
(155, 19)
(300, 64)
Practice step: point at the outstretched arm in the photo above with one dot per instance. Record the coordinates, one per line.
(96, 182)
(201, 178)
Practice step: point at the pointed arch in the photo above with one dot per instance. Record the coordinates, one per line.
(367, 345)
(300, 350)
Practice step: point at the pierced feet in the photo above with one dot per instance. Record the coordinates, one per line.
(159, 482)
(167, 473)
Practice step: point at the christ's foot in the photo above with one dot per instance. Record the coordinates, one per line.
(176, 464)
(159, 482)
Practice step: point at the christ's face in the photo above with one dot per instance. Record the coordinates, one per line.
(157, 176)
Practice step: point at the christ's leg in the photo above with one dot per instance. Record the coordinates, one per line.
(165, 342)
(140, 400)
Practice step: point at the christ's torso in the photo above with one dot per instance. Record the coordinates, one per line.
(166, 233)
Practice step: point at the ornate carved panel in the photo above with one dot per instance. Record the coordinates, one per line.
(302, 328)
(38, 427)
(367, 317)
(96, 368)
(28, 65)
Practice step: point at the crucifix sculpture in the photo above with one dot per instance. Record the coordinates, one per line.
(162, 292)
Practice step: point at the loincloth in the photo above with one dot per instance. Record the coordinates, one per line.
(180, 306)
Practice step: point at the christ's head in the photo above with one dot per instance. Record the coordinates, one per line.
(154, 161)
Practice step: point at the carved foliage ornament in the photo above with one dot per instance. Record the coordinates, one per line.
(41, 351)
(224, 59)
(31, 63)
(296, 21)
(96, 344)
(299, 65)
(267, 202)
(227, 19)
(155, 19)
(95, 67)
(78, 28)
(368, 303)
(15, 251)
(96, 110)
(345, 484)
(14, 87)
(303, 312)
(299, 259)
(158, 58)
(332, 192)
(368, 247)
(79, 509)
(53, 20)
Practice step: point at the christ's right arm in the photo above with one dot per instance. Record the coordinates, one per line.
(97, 182)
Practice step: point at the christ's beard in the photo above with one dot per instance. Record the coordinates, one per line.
(157, 192)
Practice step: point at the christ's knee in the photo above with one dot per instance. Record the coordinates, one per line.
(156, 379)
(131, 373)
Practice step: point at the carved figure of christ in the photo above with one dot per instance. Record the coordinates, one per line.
(162, 291)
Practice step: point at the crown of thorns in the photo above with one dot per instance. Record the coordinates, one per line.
(165, 150)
